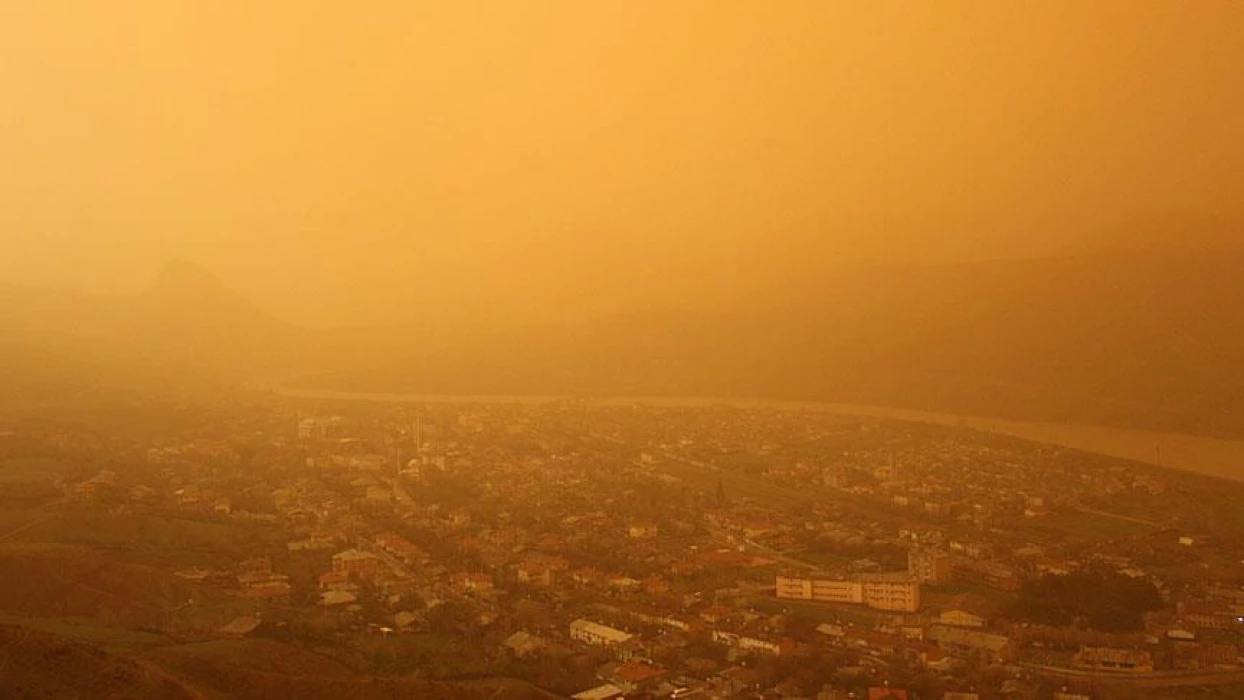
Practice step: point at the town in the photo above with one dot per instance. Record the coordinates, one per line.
(599, 550)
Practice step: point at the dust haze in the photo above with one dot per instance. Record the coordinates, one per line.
(399, 162)
(707, 349)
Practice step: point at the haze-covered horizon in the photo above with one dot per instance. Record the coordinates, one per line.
(630, 350)
(192, 283)
(393, 162)
(859, 202)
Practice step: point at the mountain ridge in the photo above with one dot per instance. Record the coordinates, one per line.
(1136, 339)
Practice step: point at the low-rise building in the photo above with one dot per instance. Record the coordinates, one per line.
(357, 563)
(522, 644)
(747, 643)
(641, 531)
(472, 582)
(273, 590)
(971, 643)
(597, 634)
(956, 617)
(1111, 659)
(635, 676)
(930, 566)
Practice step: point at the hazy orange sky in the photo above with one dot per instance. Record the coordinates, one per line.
(394, 159)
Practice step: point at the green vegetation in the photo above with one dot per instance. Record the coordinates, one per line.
(816, 612)
(1079, 525)
(1098, 599)
(947, 595)
(89, 631)
(22, 470)
(163, 539)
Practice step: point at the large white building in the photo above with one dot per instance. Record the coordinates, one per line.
(595, 633)
(898, 593)
(821, 590)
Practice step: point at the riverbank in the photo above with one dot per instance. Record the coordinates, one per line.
(1209, 456)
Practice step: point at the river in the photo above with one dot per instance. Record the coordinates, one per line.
(1203, 455)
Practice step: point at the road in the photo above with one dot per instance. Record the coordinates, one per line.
(766, 552)
(1157, 679)
(42, 518)
(1125, 518)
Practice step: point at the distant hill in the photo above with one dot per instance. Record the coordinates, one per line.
(1168, 232)
(1141, 339)
(184, 298)
(185, 333)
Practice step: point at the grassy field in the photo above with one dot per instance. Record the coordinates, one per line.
(38, 548)
(1078, 525)
(256, 654)
(17, 471)
(213, 615)
(88, 585)
(160, 540)
(89, 631)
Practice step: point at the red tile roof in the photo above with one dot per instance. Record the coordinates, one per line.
(634, 672)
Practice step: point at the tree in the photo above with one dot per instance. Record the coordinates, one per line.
(1097, 598)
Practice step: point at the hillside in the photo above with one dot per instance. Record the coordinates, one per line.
(38, 664)
(41, 665)
(185, 335)
(78, 622)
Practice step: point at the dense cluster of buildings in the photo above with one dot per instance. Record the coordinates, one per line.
(649, 551)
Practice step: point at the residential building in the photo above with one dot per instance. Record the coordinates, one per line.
(1111, 659)
(956, 617)
(522, 644)
(970, 643)
(472, 582)
(642, 531)
(930, 566)
(357, 563)
(595, 633)
(746, 643)
(635, 676)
